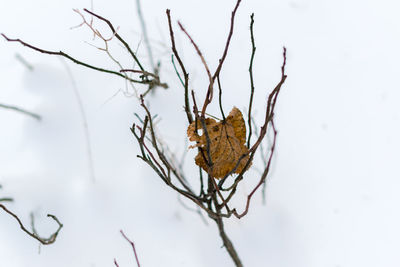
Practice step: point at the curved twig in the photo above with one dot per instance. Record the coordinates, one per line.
(44, 241)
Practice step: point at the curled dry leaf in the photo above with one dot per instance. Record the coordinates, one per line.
(227, 144)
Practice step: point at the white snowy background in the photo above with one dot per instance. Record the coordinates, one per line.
(332, 198)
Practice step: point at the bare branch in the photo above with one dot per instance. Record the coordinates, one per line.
(61, 53)
(133, 247)
(198, 51)
(117, 35)
(221, 61)
(146, 38)
(253, 51)
(183, 69)
(44, 241)
(21, 110)
(228, 243)
(228, 41)
(263, 177)
(220, 97)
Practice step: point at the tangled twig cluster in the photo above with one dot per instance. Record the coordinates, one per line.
(215, 194)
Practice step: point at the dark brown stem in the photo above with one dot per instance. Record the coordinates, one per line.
(220, 98)
(253, 51)
(227, 242)
(44, 241)
(118, 36)
(61, 53)
(228, 40)
(185, 74)
(209, 94)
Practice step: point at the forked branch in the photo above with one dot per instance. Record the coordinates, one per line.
(151, 80)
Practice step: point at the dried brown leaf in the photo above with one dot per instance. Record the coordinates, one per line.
(227, 144)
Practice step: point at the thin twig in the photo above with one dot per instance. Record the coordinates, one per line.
(97, 33)
(133, 247)
(183, 69)
(84, 121)
(44, 241)
(176, 71)
(24, 62)
(221, 62)
(263, 177)
(253, 51)
(228, 41)
(197, 210)
(21, 110)
(220, 98)
(144, 31)
(145, 73)
(203, 60)
(61, 53)
(118, 37)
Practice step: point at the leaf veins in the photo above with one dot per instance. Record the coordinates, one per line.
(227, 144)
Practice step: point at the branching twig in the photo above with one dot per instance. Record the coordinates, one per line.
(209, 94)
(133, 247)
(263, 176)
(61, 53)
(151, 82)
(212, 197)
(118, 36)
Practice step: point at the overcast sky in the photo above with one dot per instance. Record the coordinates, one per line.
(332, 197)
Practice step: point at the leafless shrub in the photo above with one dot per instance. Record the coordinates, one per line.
(215, 194)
